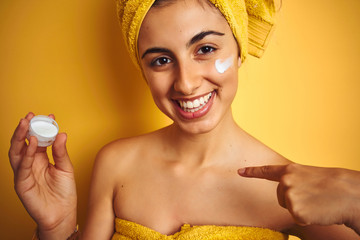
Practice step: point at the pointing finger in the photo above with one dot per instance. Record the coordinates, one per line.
(269, 172)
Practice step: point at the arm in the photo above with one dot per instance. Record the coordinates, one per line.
(317, 232)
(314, 195)
(101, 217)
(47, 191)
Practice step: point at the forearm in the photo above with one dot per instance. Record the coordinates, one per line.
(353, 220)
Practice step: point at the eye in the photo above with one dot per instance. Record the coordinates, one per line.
(160, 61)
(206, 50)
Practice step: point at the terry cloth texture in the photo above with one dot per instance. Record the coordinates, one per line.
(127, 230)
(251, 21)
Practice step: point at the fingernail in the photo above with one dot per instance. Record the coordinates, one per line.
(242, 171)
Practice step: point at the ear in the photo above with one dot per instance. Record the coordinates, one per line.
(239, 62)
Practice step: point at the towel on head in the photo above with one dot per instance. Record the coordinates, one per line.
(251, 21)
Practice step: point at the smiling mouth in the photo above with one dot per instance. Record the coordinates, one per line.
(195, 104)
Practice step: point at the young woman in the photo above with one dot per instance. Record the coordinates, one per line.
(179, 182)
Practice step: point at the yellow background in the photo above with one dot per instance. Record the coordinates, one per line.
(68, 58)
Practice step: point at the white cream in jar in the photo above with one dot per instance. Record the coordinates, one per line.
(44, 128)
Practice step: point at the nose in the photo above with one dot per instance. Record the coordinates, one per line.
(188, 78)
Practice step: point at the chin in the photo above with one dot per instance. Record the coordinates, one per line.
(196, 127)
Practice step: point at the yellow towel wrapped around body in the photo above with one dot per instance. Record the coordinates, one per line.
(127, 230)
(251, 22)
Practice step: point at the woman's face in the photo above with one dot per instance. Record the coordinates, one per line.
(190, 59)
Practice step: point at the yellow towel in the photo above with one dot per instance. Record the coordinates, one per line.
(251, 22)
(127, 230)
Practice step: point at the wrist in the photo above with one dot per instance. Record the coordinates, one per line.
(61, 231)
(74, 236)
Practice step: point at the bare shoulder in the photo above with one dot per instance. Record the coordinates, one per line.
(114, 152)
(114, 163)
(122, 153)
(259, 153)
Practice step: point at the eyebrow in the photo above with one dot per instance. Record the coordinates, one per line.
(193, 40)
(156, 50)
(202, 35)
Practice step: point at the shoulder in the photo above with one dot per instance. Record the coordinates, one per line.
(123, 153)
(118, 149)
(259, 153)
(114, 163)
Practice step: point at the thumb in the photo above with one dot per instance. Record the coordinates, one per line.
(60, 154)
(269, 172)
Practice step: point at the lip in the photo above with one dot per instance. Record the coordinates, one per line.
(197, 114)
(193, 98)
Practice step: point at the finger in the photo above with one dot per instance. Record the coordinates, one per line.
(22, 129)
(25, 167)
(288, 204)
(52, 116)
(281, 195)
(60, 154)
(29, 116)
(18, 143)
(269, 172)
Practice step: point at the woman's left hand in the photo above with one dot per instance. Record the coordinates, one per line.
(314, 195)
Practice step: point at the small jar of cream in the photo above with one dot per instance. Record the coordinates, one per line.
(44, 129)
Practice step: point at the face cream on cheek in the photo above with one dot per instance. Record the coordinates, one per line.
(222, 66)
(44, 129)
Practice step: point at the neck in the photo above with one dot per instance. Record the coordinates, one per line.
(200, 149)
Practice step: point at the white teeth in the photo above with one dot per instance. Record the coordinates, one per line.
(206, 98)
(189, 104)
(197, 104)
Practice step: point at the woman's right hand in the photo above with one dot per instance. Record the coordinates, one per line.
(315, 195)
(47, 191)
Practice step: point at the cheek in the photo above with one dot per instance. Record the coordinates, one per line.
(226, 72)
(222, 66)
(160, 88)
(223, 69)
(157, 90)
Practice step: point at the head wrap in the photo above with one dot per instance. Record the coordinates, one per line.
(251, 21)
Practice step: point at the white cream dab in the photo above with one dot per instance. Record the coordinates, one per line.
(222, 66)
